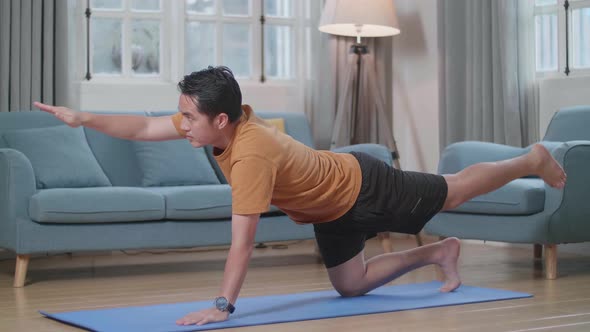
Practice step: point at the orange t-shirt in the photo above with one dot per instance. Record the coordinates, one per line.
(265, 166)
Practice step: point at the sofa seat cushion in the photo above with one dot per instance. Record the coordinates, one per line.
(96, 205)
(519, 197)
(204, 202)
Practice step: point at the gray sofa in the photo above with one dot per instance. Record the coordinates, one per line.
(68, 189)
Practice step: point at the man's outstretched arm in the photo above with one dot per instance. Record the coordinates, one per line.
(133, 127)
(236, 266)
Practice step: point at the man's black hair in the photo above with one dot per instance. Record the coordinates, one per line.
(214, 90)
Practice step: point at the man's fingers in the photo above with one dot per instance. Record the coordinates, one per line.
(200, 318)
(203, 321)
(43, 107)
(187, 322)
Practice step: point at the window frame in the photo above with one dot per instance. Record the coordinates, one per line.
(219, 19)
(172, 37)
(127, 15)
(157, 93)
(559, 9)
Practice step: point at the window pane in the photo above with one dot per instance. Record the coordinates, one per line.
(581, 38)
(545, 2)
(145, 46)
(236, 7)
(151, 5)
(106, 45)
(236, 48)
(203, 7)
(106, 4)
(200, 46)
(278, 50)
(546, 42)
(278, 8)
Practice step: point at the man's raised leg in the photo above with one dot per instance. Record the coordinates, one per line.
(484, 177)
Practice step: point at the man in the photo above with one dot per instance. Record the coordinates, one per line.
(348, 197)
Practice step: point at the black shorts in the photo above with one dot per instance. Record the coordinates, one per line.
(390, 200)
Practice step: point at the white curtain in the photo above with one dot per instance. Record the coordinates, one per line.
(316, 92)
(373, 121)
(488, 88)
(35, 61)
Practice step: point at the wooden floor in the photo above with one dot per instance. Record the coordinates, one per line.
(64, 283)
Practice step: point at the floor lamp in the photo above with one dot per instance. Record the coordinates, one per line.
(354, 18)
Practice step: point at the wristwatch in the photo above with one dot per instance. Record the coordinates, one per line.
(222, 304)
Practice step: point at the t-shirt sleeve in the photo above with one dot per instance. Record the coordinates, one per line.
(176, 120)
(252, 181)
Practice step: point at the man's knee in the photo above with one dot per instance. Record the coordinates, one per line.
(349, 291)
(349, 287)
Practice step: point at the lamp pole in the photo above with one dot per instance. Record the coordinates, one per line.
(359, 50)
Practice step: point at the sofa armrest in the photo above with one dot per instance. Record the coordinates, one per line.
(458, 156)
(17, 185)
(378, 151)
(570, 206)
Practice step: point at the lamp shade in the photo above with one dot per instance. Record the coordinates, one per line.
(359, 18)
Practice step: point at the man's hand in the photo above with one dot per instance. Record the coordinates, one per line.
(203, 317)
(70, 117)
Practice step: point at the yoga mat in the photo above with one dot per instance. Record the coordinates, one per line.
(281, 308)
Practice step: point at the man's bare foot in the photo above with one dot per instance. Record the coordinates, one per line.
(547, 167)
(449, 255)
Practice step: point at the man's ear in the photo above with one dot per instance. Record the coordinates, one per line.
(222, 120)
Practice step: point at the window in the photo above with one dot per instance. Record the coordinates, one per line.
(562, 36)
(125, 38)
(158, 39)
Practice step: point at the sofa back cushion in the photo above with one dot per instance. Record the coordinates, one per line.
(134, 163)
(25, 120)
(295, 124)
(116, 157)
(173, 163)
(60, 156)
(569, 124)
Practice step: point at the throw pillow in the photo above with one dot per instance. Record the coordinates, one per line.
(60, 156)
(173, 163)
(278, 123)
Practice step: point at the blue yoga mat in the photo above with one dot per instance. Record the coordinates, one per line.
(281, 308)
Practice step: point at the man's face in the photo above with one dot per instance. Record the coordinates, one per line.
(200, 131)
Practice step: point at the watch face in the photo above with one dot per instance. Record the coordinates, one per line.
(221, 303)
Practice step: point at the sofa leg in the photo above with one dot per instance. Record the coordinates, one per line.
(385, 239)
(20, 272)
(538, 251)
(550, 261)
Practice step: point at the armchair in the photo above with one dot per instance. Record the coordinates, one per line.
(526, 210)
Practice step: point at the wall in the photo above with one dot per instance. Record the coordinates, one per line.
(555, 93)
(159, 95)
(415, 85)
